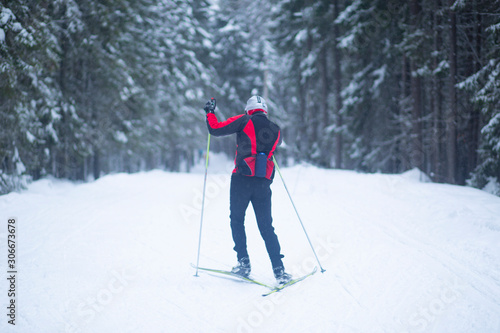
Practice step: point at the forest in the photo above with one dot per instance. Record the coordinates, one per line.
(93, 87)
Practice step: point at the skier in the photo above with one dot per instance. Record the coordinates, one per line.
(257, 138)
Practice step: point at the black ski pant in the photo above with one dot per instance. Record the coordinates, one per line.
(257, 191)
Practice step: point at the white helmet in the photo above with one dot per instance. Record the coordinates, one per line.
(256, 103)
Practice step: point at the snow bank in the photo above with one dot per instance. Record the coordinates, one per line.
(416, 174)
(492, 187)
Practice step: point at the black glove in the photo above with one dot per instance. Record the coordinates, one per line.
(210, 106)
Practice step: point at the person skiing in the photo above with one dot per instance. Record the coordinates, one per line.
(257, 138)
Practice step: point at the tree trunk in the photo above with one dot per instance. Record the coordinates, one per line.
(436, 102)
(312, 119)
(266, 77)
(97, 164)
(416, 155)
(324, 140)
(337, 78)
(302, 142)
(62, 156)
(475, 117)
(402, 162)
(451, 118)
(306, 134)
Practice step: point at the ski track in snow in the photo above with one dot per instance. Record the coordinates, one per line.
(114, 255)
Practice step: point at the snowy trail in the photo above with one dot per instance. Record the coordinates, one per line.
(114, 255)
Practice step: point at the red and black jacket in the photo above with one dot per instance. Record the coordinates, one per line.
(254, 134)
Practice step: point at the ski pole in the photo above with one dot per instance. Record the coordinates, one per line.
(203, 205)
(300, 220)
(212, 107)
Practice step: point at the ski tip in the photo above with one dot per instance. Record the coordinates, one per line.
(275, 290)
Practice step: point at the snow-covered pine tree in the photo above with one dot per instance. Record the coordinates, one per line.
(28, 93)
(484, 84)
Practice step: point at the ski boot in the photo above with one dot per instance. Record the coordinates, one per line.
(243, 268)
(281, 276)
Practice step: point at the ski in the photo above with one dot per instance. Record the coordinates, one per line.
(290, 283)
(224, 272)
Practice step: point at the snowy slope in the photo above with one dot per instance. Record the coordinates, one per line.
(114, 255)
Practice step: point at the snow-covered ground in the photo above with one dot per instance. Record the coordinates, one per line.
(114, 255)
